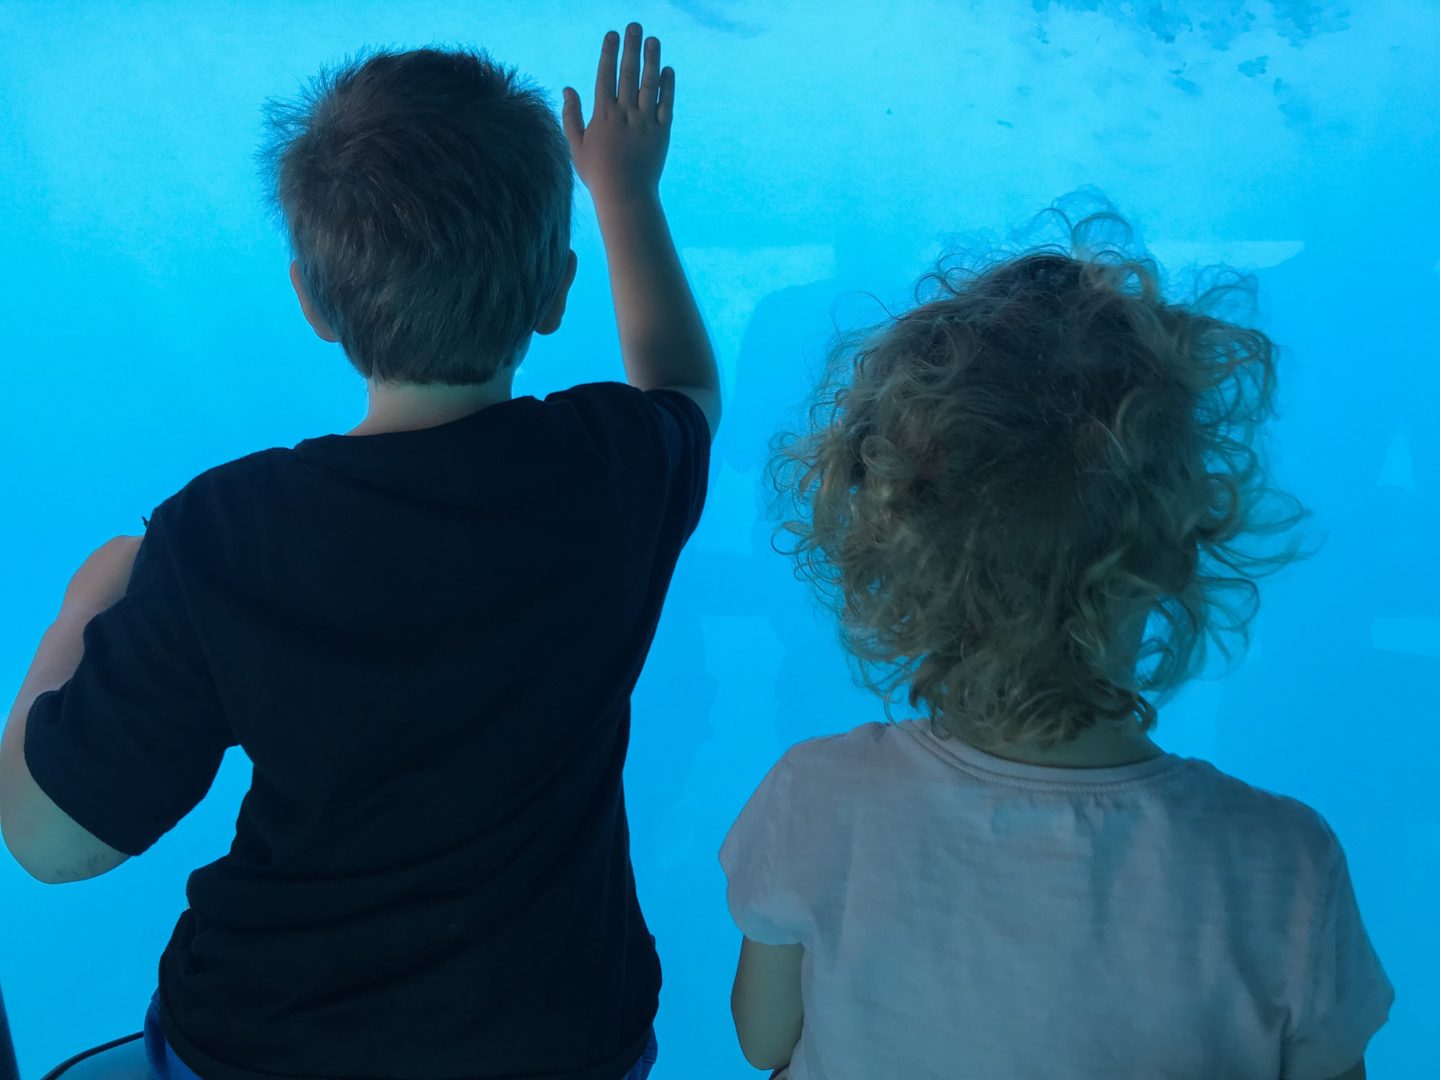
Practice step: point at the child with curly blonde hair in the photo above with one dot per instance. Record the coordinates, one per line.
(1028, 500)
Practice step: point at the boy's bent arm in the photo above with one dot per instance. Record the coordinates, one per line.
(45, 840)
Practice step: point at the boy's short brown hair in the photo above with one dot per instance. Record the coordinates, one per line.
(427, 197)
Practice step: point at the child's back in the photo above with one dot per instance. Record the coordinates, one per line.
(1028, 499)
(964, 914)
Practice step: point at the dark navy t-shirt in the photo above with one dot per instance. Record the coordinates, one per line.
(426, 643)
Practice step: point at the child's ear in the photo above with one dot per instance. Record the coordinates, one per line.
(550, 321)
(317, 322)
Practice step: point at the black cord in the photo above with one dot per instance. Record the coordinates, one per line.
(9, 1067)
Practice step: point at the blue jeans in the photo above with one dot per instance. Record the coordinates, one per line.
(164, 1065)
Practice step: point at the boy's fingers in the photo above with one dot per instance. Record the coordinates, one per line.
(605, 73)
(650, 75)
(666, 108)
(629, 91)
(570, 118)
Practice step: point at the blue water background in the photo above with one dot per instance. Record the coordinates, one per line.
(821, 152)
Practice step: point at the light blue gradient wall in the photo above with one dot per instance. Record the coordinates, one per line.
(147, 332)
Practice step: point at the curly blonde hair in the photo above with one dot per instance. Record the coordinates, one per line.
(1027, 496)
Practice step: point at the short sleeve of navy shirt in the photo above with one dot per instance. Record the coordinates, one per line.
(132, 742)
(425, 642)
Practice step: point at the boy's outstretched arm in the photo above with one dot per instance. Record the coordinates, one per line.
(619, 156)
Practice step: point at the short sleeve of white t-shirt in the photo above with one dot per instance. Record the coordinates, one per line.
(1350, 995)
(764, 860)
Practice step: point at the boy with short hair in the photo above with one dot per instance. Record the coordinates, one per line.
(424, 633)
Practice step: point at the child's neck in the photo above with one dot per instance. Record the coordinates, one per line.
(410, 407)
(1100, 747)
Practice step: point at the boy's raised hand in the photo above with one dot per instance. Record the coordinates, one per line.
(622, 151)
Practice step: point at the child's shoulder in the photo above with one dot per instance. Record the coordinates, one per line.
(1248, 810)
(1230, 805)
(853, 740)
(860, 749)
(235, 479)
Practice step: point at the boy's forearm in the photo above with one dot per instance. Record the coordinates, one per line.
(662, 337)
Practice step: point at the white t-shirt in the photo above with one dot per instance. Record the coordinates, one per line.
(967, 916)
